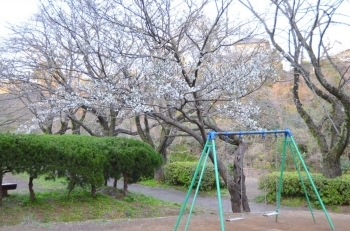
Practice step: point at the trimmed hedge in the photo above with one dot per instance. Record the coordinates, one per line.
(332, 191)
(181, 173)
(83, 160)
(131, 158)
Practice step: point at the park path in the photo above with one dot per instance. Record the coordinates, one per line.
(210, 202)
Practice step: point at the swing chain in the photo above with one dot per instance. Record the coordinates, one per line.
(276, 164)
(242, 159)
(275, 213)
(264, 170)
(227, 156)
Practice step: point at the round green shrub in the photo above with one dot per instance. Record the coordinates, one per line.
(83, 160)
(332, 191)
(181, 173)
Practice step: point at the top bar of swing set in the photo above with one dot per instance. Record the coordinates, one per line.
(286, 132)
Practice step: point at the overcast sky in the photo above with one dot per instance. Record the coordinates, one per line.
(16, 11)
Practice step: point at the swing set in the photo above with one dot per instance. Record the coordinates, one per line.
(209, 147)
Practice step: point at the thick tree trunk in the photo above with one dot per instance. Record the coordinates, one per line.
(331, 166)
(31, 190)
(239, 198)
(115, 183)
(236, 184)
(159, 174)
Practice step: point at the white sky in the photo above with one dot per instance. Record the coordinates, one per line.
(15, 11)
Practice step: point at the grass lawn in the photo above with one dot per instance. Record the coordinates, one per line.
(53, 205)
(80, 206)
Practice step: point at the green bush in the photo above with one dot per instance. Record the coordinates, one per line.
(83, 160)
(131, 158)
(345, 164)
(11, 153)
(181, 173)
(332, 191)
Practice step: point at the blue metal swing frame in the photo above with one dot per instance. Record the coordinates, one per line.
(209, 147)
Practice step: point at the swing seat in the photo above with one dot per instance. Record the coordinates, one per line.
(234, 219)
(270, 214)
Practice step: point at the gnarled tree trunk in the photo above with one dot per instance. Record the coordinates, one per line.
(235, 181)
(331, 166)
(164, 142)
(236, 186)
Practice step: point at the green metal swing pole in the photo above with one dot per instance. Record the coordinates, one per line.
(218, 185)
(297, 166)
(197, 189)
(205, 151)
(312, 184)
(280, 183)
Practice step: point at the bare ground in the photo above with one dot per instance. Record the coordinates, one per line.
(288, 221)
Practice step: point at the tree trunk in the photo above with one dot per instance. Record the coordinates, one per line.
(331, 166)
(115, 183)
(31, 191)
(236, 184)
(125, 188)
(239, 198)
(93, 190)
(71, 186)
(159, 174)
(164, 142)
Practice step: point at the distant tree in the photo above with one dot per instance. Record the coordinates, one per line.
(32, 74)
(298, 30)
(61, 66)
